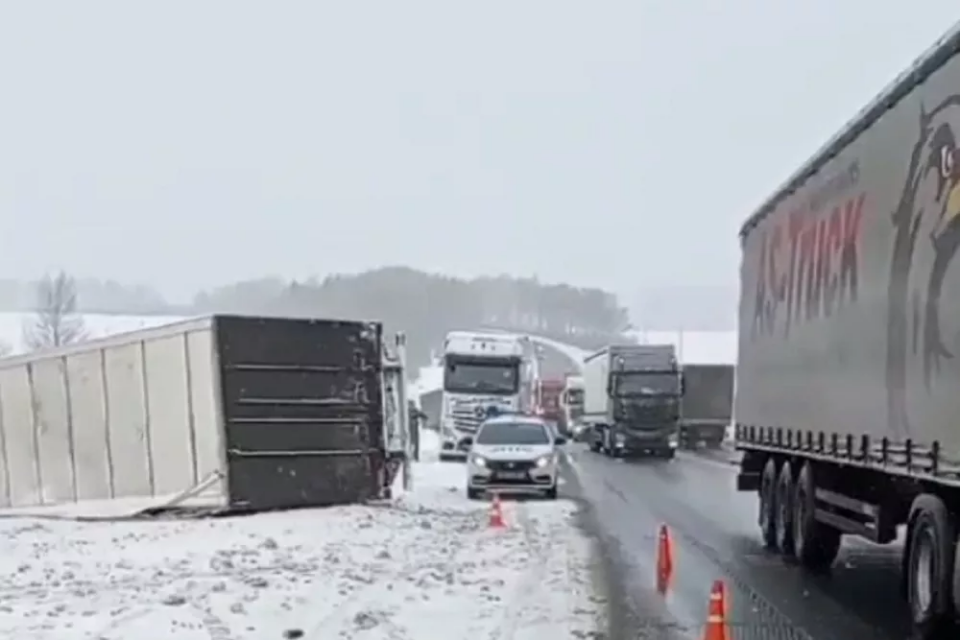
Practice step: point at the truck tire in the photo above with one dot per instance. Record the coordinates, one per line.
(606, 445)
(784, 517)
(768, 504)
(815, 544)
(929, 563)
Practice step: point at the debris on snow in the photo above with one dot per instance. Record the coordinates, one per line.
(424, 562)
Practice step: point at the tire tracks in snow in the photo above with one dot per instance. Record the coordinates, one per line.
(538, 545)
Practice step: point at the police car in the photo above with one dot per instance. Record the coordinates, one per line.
(514, 454)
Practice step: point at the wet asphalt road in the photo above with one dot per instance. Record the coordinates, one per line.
(715, 536)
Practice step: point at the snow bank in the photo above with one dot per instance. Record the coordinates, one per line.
(429, 445)
(424, 563)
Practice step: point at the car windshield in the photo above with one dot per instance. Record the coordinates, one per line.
(647, 384)
(494, 377)
(513, 433)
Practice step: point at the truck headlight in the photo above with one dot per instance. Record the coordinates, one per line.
(672, 441)
(480, 461)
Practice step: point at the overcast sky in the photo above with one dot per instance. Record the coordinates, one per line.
(187, 143)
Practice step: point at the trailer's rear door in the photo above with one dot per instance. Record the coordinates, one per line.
(302, 411)
(708, 392)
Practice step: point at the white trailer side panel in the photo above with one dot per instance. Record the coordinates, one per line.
(205, 403)
(595, 371)
(88, 414)
(850, 286)
(134, 415)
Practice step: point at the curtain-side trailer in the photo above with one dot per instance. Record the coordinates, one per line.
(848, 373)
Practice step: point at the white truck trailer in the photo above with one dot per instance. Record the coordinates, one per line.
(228, 412)
(482, 373)
(847, 407)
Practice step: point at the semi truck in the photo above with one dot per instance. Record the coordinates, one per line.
(549, 393)
(221, 413)
(632, 400)
(847, 402)
(706, 408)
(572, 405)
(483, 373)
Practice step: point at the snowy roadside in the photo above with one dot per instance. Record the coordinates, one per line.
(424, 566)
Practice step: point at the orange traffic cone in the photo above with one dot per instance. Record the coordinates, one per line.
(496, 513)
(664, 559)
(716, 628)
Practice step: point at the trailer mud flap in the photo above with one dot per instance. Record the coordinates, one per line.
(302, 411)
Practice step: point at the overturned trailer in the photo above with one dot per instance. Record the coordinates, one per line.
(231, 412)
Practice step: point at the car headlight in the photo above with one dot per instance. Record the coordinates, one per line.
(480, 461)
(544, 461)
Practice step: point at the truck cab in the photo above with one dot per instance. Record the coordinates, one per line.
(633, 396)
(483, 374)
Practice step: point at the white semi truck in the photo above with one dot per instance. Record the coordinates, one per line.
(483, 373)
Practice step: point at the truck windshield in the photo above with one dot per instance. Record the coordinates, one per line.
(481, 377)
(574, 397)
(641, 384)
(513, 433)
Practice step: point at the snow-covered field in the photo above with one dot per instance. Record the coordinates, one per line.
(424, 566)
(12, 326)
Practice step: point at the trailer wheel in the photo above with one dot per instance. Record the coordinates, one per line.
(784, 511)
(816, 544)
(929, 566)
(768, 504)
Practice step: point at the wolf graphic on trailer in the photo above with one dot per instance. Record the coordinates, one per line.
(846, 402)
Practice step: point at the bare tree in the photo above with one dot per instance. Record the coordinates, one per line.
(57, 322)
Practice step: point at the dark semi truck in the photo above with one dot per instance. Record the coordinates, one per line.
(706, 408)
(847, 399)
(632, 400)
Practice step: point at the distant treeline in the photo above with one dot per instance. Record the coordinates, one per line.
(425, 306)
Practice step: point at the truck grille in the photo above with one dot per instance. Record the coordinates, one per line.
(466, 419)
(648, 415)
(463, 413)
